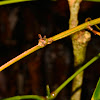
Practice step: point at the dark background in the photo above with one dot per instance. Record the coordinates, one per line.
(20, 25)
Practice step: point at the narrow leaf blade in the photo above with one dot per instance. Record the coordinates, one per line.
(96, 94)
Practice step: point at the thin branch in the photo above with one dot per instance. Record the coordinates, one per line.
(55, 93)
(12, 61)
(42, 43)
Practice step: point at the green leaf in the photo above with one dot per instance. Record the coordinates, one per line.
(12, 1)
(92, 0)
(96, 94)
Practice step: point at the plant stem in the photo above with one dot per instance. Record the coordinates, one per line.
(48, 91)
(75, 29)
(25, 97)
(92, 0)
(79, 42)
(54, 38)
(19, 57)
(12, 1)
(74, 75)
(55, 93)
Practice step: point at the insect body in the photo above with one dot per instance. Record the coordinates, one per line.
(94, 31)
(91, 29)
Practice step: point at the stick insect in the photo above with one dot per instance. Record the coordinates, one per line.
(91, 29)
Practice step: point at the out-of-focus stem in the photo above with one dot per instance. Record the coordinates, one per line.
(55, 93)
(36, 97)
(12, 1)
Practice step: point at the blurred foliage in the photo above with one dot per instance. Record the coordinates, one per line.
(92, 0)
(4, 2)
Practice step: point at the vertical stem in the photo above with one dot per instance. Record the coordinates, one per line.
(74, 6)
(79, 42)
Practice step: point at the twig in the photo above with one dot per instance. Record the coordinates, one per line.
(55, 93)
(49, 41)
